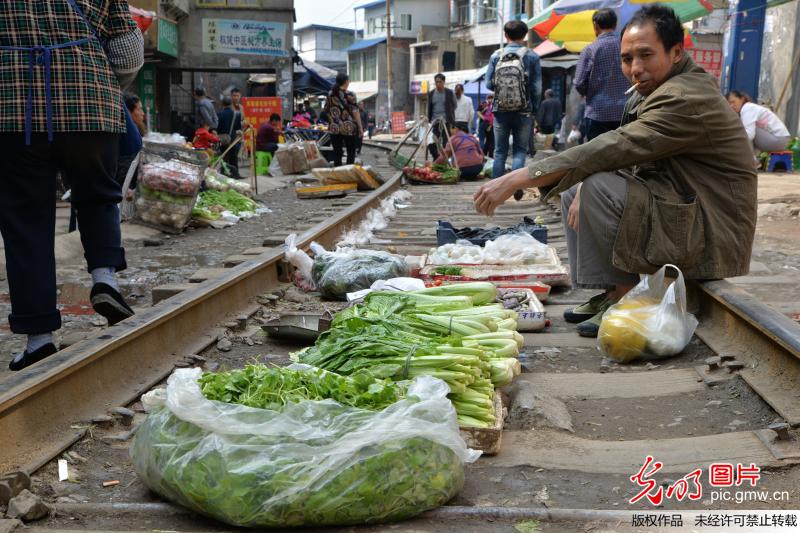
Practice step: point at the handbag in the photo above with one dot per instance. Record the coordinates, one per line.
(130, 142)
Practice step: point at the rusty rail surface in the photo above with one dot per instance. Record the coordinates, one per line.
(42, 407)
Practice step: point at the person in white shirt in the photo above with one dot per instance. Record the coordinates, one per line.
(764, 129)
(465, 112)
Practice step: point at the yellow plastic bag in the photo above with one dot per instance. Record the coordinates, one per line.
(651, 319)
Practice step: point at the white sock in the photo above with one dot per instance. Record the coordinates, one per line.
(107, 275)
(37, 341)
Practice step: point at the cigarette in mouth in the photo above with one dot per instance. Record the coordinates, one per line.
(632, 88)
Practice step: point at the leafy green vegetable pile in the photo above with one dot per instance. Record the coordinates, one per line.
(306, 462)
(211, 203)
(272, 388)
(448, 173)
(436, 332)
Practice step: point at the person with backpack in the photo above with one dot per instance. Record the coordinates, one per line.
(64, 63)
(515, 75)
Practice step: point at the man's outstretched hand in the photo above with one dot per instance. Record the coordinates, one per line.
(494, 193)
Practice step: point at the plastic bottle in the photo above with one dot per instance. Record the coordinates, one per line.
(795, 148)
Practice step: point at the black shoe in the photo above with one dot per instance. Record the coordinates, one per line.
(108, 302)
(518, 195)
(34, 357)
(585, 311)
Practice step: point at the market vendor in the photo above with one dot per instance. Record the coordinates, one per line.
(268, 134)
(674, 184)
(467, 149)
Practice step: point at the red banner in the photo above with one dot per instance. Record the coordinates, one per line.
(709, 60)
(398, 122)
(257, 109)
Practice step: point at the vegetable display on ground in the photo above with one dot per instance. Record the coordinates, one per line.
(306, 462)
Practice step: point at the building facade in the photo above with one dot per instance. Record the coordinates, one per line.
(325, 45)
(214, 45)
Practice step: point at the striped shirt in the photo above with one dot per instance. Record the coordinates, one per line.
(599, 78)
(85, 92)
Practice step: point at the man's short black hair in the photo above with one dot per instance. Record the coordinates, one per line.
(131, 100)
(668, 25)
(274, 117)
(605, 19)
(515, 30)
(199, 92)
(438, 77)
(236, 90)
(342, 78)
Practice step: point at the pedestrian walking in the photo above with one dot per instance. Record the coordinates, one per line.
(680, 154)
(441, 105)
(204, 110)
(549, 115)
(515, 75)
(231, 119)
(364, 120)
(486, 126)
(345, 121)
(465, 110)
(763, 127)
(62, 114)
(599, 77)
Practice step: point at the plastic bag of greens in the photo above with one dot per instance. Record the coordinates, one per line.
(651, 319)
(312, 463)
(349, 270)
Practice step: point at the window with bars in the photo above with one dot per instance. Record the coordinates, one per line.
(405, 22)
(518, 11)
(487, 11)
(371, 25)
(340, 41)
(461, 13)
(354, 67)
(371, 65)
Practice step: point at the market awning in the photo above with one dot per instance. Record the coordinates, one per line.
(312, 78)
(547, 47)
(365, 95)
(364, 44)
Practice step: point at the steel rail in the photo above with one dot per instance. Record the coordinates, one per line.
(42, 407)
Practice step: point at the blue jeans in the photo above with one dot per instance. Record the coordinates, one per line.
(506, 124)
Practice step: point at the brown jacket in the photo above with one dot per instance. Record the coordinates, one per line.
(691, 197)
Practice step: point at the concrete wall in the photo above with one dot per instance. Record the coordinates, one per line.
(423, 12)
(781, 46)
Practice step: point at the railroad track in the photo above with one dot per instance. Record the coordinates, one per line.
(740, 340)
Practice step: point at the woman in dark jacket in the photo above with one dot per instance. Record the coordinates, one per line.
(344, 125)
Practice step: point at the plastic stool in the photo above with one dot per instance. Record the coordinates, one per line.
(263, 161)
(777, 159)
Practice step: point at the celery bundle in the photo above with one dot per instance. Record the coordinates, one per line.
(437, 332)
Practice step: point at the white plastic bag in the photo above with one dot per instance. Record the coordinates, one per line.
(651, 319)
(298, 258)
(515, 249)
(312, 463)
(461, 251)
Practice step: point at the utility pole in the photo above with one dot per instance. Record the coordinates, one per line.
(389, 58)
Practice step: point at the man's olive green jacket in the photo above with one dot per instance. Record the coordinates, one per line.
(691, 197)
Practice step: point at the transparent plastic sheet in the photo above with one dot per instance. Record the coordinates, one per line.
(376, 219)
(461, 252)
(650, 320)
(314, 463)
(349, 270)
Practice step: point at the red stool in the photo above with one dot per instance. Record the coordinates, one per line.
(780, 159)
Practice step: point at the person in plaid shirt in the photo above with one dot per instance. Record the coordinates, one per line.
(62, 112)
(599, 77)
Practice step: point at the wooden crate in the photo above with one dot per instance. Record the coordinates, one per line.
(487, 440)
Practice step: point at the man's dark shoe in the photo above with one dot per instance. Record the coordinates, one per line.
(27, 359)
(518, 195)
(591, 327)
(108, 302)
(585, 311)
